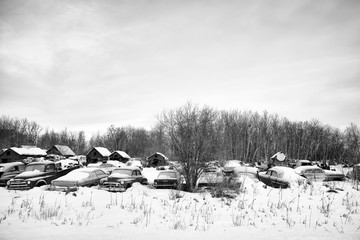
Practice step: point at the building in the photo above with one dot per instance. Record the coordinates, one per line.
(120, 156)
(61, 150)
(98, 154)
(22, 154)
(156, 159)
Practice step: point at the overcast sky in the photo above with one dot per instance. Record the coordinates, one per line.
(84, 65)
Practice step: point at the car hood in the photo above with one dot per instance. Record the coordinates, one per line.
(118, 176)
(30, 174)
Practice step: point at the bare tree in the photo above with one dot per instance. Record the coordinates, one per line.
(192, 134)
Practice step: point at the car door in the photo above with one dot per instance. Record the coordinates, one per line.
(12, 172)
(138, 176)
(99, 175)
(266, 177)
(274, 180)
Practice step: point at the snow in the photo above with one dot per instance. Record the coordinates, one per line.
(122, 154)
(29, 151)
(103, 151)
(142, 212)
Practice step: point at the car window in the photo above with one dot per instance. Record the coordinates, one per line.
(50, 168)
(14, 169)
(274, 174)
(100, 173)
(269, 172)
(138, 172)
(92, 175)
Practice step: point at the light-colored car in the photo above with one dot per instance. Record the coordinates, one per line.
(301, 163)
(134, 163)
(82, 177)
(280, 177)
(334, 175)
(210, 178)
(240, 174)
(311, 173)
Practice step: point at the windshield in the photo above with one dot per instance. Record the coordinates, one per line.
(123, 171)
(167, 174)
(39, 167)
(75, 176)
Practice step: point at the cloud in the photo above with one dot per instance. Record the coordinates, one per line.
(123, 62)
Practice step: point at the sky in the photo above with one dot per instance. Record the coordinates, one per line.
(89, 64)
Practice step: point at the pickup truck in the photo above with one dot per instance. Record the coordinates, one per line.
(37, 174)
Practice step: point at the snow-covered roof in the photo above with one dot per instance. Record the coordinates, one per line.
(157, 153)
(34, 151)
(64, 150)
(122, 154)
(103, 151)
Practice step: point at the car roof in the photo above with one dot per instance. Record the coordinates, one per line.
(128, 168)
(41, 162)
(167, 171)
(282, 169)
(303, 168)
(11, 164)
(92, 169)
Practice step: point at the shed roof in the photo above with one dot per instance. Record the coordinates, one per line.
(121, 153)
(157, 153)
(64, 150)
(103, 151)
(35, 151)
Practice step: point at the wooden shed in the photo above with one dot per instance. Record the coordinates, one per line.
(120, 156)
(98, 154)
(61, 150)
(156, 159)
(16, 154)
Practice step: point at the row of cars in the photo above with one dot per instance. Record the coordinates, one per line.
(111, 176)
(114, 176)
(277, 176)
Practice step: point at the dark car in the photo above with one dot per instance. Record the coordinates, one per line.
(280, 177)
(38, 174)
(168, 179)
(122, 178)
(82, 177)
(10, 170)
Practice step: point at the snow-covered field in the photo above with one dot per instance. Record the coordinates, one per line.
(303, 212)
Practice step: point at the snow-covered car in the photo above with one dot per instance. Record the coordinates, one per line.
(210, 178)
(168, 179)
(231, 164)
(82, 177)
(240, 174)
(122, 178)
(108, 166)
(311, 173)
(355, 173)
(280, 177)
(135, 163)
(300, 163)
(334, 175)
(10, 170)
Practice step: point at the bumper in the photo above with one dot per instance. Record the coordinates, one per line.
(165, 185)
(63, 188)
(18, 187)
(113, 187)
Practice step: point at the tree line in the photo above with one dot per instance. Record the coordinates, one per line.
(202, 133)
